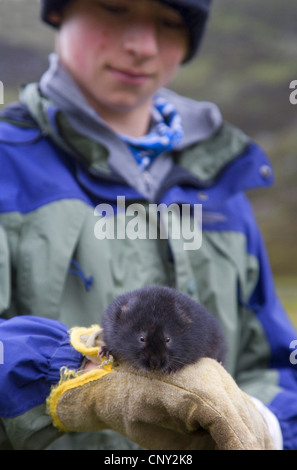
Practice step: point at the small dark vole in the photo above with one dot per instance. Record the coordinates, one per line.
(160, 328)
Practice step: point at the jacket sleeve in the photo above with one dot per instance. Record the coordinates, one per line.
(33, 351)
(265, 306)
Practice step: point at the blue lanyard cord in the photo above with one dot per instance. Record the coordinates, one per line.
(76, 269)
(166, 133)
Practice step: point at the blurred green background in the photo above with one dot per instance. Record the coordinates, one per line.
(246, 64)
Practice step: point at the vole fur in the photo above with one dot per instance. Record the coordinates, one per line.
(160, 328)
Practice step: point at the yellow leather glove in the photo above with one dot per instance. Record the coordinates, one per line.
(199, 407)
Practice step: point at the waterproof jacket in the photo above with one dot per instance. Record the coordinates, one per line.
(59, 259)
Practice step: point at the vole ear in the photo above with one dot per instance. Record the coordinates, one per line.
(186, 317)
(121, 307)
(123, 311)
(127, 306)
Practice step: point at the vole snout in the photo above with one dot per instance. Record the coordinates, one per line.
(154, 363)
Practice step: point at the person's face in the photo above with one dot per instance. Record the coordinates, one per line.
(121, 51)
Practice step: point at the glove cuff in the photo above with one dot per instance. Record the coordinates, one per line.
(87, 341)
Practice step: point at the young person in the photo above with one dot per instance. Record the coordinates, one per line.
(98, 126)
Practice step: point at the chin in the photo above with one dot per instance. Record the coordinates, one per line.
(129, 103)
(121, 101)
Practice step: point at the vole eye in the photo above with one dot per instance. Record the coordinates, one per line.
(142, 339)
(167, 340)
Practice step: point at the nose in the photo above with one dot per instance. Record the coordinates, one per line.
(156, 363)
(140, 39)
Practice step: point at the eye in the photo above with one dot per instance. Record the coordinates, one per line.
(167, 340)
(172, 23)
(141, 339)
(170, 18)
(111, 8)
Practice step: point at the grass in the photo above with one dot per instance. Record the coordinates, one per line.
(9, 96)
(287, 290)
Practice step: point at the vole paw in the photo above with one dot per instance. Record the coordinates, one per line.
(104, 352)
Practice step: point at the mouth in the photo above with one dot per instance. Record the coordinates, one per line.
(130, 77)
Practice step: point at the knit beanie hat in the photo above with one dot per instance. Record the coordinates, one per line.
(194, 13)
